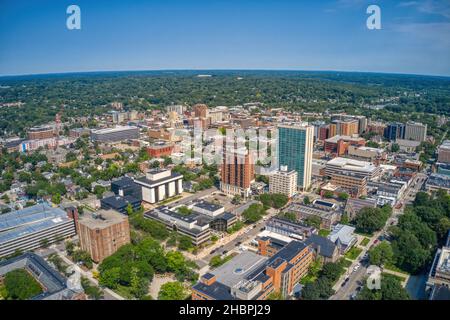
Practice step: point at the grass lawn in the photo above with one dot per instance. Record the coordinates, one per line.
(401, 279)
(395, 268)
(170, 200)
(324, 232)
(124, 292)
(346, 263)
(308, 279)
(353, 253)
(369, 235)
(364, 242)
(3, 293)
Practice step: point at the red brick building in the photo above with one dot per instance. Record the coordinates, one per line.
(160, 150)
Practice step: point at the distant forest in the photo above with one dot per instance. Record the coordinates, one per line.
(90, 93)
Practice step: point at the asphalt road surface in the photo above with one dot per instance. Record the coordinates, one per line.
(355, 279)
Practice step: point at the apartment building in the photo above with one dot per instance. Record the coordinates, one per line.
(284, 182)
(237, 172)
(43, 132)
(415, 131)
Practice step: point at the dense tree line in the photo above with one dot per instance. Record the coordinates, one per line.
(90, 94)
(370, 220)
(133, 266)
(322, 288)
(420, 230)
(275, 200)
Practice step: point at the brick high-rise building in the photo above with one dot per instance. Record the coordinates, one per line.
(44, 132)
(103, 233)
(323, 132)
(201, 110)
(238, 171)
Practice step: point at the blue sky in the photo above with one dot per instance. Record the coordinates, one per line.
(224, 34)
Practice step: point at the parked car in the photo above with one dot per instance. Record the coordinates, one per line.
(345, 282)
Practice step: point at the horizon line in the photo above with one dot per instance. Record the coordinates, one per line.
(218, 69)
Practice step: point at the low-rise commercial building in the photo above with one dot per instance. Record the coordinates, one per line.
(409, 146)
(366, 153)
(327, 212)
(116, 134)
(289, 228)
(33, 227)
(120, 204)
(354, 183)
(438, 181)
(196, 225)
(250, 276)
(387, 192)
(339, 165)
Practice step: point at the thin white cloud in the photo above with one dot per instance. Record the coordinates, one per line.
(434, 7)
(436, 33)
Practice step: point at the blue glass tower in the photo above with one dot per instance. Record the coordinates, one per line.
(295, 148)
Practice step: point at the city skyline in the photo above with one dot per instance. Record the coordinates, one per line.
(200, 35)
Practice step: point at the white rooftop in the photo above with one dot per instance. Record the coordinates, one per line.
(351, 164)
(115, 129)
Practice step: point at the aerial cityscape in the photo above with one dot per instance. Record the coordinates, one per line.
(223, 183)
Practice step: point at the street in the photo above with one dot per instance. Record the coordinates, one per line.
(355, 279)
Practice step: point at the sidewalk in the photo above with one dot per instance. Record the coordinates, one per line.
(88, 275)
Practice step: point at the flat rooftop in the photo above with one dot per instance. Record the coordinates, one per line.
(112, 130)
(336, 138)
(235, 270)
(208, 206)
(102, 219)
(274, 235)
(30, 220)
(351, 164)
